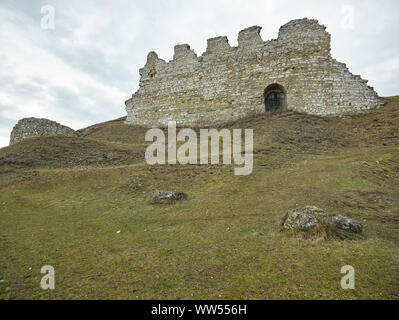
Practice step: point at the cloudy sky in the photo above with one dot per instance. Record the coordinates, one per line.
(83, 70)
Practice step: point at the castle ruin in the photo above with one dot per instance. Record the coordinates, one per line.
(294, 72)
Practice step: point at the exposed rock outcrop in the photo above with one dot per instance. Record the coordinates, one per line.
(304, 218)
(166, 196)
(308, 217)
(34, 127)
(347, 224)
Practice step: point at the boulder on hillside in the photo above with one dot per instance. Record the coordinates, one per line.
(159, 196)
(347, 224)
(304, 218)
(34, 127)
(307, 217)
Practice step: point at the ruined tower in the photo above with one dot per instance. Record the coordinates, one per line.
(294, 72)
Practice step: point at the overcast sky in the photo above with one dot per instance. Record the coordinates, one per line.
(82, 71)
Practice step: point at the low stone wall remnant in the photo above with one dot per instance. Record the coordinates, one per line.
(34, 127)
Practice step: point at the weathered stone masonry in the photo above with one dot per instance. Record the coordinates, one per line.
(34, 127)
(227, 83)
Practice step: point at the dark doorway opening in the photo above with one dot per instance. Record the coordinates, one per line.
(274, 97)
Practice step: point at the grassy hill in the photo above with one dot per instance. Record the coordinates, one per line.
(63, 200)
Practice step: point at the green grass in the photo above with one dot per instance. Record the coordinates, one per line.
(225, 241)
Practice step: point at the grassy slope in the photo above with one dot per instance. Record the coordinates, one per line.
(63, 202)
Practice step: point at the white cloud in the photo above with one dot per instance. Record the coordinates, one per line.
(26, 59)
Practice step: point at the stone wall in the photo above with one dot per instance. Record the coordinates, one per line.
(227, 83)
(34, 127)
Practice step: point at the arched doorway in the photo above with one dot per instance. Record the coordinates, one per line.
(274, 97)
